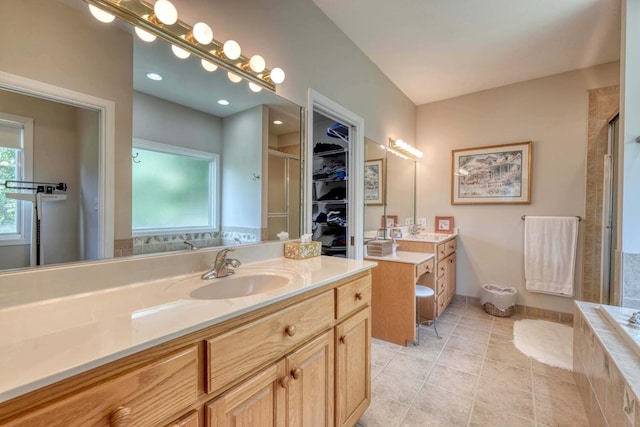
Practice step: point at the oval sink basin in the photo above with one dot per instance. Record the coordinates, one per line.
(240, 286)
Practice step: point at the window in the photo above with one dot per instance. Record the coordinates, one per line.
(16, 144)
(175, 189)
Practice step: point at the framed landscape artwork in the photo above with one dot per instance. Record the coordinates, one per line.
(374, 182)
(496, 174)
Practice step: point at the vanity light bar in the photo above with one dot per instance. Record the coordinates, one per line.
(140, 14)
(399, 146)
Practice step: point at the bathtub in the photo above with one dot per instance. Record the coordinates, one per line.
(619, 319)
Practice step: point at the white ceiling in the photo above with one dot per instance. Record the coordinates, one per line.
(438, 49)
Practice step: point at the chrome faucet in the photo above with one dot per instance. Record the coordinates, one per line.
(415, 229)
(191, 245)
(221, 265)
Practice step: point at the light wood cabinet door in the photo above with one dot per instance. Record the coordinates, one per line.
(190, 420)
(260, 401)
(451, 277)
(237, 353)
(310, 391)
(353, 368)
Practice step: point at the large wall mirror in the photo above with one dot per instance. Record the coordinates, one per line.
(196, 157)
(391, 196)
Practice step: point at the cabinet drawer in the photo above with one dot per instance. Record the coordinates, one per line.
(449, 247)
(425, 267)
(445, 249)
(144, 396)
(236, 353)
(353, 296)
(442, 268)
(441, 285)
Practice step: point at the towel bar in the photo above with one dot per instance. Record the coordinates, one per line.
(577, 216)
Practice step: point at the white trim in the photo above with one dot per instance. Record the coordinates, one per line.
(214, 186)
(322, 104)
(106, 137)
(23, 237)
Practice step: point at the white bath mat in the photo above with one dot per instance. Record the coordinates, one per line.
(547, 342)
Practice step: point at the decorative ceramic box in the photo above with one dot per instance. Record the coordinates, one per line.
(297, 250)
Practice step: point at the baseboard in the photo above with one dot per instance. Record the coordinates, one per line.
(525, 311)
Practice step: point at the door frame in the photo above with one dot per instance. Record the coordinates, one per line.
(317, 102)
(106, 142)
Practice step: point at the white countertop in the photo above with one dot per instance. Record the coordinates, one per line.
(404, 257)
(47, 341)
(430, 237)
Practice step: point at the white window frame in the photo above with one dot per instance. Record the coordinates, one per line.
(23, 237)
(214, 187)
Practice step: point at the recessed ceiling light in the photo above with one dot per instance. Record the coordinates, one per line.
(223, 102)
(154, 76)
(277, 122)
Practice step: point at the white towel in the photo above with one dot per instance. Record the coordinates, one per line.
(550, 254)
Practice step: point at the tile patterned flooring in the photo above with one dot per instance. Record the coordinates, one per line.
(473, 376)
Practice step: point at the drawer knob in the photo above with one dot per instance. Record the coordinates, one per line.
(296, 373)
(291, 330)
(284, 382)
(451, 246)
(121, 417)
(343, 339)
(359, 296)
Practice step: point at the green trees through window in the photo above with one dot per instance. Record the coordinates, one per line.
(8, 207)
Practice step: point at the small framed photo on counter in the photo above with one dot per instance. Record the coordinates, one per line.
(444, 224)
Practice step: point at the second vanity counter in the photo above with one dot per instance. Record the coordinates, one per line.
(48, 341)
(393, 294)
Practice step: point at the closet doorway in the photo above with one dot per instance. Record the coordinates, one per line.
(334, 201)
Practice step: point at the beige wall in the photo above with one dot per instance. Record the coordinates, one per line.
(551, 112)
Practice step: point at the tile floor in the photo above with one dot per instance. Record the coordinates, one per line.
(473, 376)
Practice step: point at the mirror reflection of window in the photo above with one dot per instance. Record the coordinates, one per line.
(174, 189)
(14, 149)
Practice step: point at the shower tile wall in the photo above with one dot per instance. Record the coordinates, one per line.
(631, 280)
(603, 103)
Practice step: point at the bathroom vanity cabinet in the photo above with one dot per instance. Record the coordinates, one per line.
(443, 281)
(394, 294)
(301, 361)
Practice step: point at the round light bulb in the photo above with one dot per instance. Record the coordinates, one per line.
(257, 64)
(231, 49)
(202, 33)
(277, 122)
(254, 87)
(101, 15)
(166, 12)
(180, 52)
(277, 75)
(223, 102)
(208, 65)
(234, 77)
(144, 35)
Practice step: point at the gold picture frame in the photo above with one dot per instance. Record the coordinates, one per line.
(494, 174)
